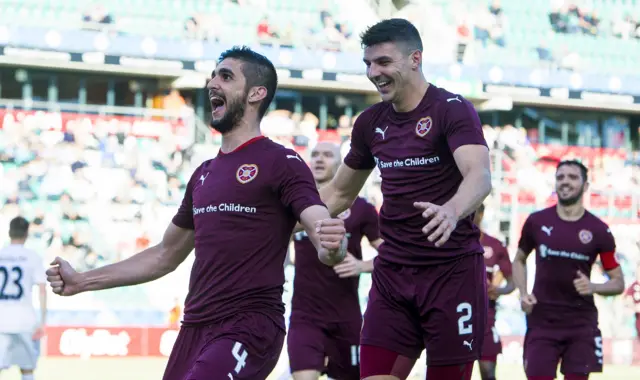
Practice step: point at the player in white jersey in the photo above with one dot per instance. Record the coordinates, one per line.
(20, 270)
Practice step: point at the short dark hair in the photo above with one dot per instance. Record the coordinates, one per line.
(583, 169)
(481, 208)
(396, 30)
(258, 70)
(18, 228)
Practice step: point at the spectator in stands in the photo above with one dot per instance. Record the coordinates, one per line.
(334, 39)
(626, 27)
(559, 19)
(463, 33)
(590, 22)
(267, 34)
(97, 17)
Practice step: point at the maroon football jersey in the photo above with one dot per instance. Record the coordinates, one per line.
(317, 289)
(243, 206)
(414, 152)
(562, 249)
(496, 257)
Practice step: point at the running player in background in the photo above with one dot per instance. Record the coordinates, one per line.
(429, 282)
(20, 330)
(325, 312)
(562, 319)
(498, 265)
(238, 211)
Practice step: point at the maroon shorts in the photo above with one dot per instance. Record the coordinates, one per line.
(579, 349)
(247, 346)
(491, 346)
(442, 308)
(311, 342)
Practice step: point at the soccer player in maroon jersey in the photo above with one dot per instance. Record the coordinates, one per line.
(562, 319)
(325, 311)
(429, 282)
(496, 259)
(238, 212)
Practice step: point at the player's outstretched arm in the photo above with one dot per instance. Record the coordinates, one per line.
(343, 189)
(339, 194)
(475, 166)
(327, 235)
(148, 265)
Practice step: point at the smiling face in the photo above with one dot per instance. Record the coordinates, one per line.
(228, 95)
(570, 184)
(325, 159)
(390, 67)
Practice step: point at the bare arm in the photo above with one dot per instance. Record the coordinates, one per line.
(343, 189)
(520, 272)
(148, 265)
(614, 286)
(475, 167)
(339, 194)
(508, 287)
(309, 218)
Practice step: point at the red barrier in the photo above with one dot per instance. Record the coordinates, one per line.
(86, 342)
(109, 124)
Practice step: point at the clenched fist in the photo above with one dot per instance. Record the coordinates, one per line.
(64, 280)
(333, 241)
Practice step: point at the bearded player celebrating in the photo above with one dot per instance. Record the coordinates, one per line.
(562, 319)
(238, 212)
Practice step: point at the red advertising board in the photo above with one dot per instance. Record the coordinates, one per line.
(108, 124)
(86, 342)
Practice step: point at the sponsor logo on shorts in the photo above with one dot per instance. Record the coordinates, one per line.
(247, 173)
(423, 126)
(585, 236)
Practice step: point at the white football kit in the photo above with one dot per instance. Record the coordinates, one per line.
(20, 270)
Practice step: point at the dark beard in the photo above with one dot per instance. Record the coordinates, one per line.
(571, 200)
(233, 115)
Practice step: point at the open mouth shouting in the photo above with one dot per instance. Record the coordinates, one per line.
(217, 105)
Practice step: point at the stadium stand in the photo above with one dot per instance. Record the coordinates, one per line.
(100, 169)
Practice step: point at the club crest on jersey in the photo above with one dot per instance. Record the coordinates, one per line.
(488, 252)
(345, 214)
(247, 173)
(423, 126)
(585, 236)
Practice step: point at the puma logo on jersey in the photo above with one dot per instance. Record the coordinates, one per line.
(454, 99)
(547, 230)
(382, 132)
(468, 344)
(294, 157)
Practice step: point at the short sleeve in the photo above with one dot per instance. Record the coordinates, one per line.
(462, 125)
(504, 263)
(607, 242)
(527, 241)
(294, 183)
(370, 227)
(39, 271)
(607, 251)
(359, 156)
(184, 217)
